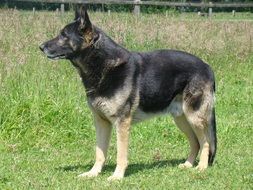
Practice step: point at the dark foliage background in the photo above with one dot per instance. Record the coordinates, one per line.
(126, 8)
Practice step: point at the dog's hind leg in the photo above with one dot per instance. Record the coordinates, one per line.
(103, 134)
(185, 127)
(206, 136)
(204, 147)
(122, 130)
(197, 106)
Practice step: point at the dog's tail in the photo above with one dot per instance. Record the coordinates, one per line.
(212, 135)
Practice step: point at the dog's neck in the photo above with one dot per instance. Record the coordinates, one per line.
(97, 62)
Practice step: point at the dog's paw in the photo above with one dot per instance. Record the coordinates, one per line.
(89, 174)
(114, 178)
(201, 167)
(185, 165)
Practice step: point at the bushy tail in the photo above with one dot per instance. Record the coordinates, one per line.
(213, 138)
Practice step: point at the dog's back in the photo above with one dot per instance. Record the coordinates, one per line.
(165, 73)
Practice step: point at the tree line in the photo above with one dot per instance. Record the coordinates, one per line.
(126, 8)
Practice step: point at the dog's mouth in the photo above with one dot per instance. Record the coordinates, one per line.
(56, 57)
(53, 56)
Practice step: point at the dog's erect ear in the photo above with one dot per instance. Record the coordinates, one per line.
(83, 17)
(85, 25)
(77, 13)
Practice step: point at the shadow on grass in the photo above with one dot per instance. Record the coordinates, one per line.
(132, 168)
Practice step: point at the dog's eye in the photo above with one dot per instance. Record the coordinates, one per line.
(64, 33)
(62, 37)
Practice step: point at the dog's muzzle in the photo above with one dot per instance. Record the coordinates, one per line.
(45, 50)
(42, 47)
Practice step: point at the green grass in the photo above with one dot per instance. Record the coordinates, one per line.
(46, 133)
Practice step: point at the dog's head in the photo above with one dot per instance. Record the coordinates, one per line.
(73, 38)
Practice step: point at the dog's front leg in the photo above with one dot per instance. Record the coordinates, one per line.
(103, 134)
(122, 130)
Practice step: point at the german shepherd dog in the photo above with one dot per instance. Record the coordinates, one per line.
(124, 87)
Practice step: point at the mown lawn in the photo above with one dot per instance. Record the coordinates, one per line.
(46, 132)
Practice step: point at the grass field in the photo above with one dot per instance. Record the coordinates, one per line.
(46, 132)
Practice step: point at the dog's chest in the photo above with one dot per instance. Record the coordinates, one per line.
(105, 106)
(109, 107)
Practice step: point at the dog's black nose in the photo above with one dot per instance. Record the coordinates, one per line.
(42, 46)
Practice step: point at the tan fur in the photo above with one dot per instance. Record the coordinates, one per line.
(108, 107)
(105, 111)
(73, 45)
(122, 129)
(103, 134)
(200, 117)
(186, 128)
(88, 37)
(61, 42)
(198, 120)
(204, 148)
